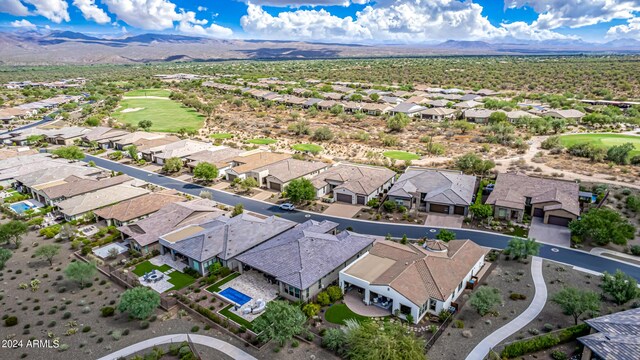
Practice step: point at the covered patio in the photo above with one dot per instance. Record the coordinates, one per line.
(355, 302)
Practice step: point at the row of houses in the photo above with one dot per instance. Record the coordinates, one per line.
(59, 84)
(75, 190)
(435, 105)
(28, 110)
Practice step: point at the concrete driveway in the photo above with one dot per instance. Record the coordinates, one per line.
(551, 234)
(441, 220)
(342, 209)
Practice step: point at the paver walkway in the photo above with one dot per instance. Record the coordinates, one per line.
(539, 299)
(211, 342)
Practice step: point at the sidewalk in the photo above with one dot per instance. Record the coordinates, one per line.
(211, 342)
(539, 300)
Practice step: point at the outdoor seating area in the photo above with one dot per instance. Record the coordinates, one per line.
(250, 292)
(355, 303)
(381, 302)
(88, 230)
(160, 276)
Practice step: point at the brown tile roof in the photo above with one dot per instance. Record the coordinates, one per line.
(290, 169)
(359, 179)
(511, 189)
(420, 274)
(219, 158)
(146, 144)
(140, 206)
(254, 161)
(76, 185)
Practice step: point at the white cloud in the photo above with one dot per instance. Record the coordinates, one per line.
(92, 12)
(54, 10)
(301, 3)
(23, 24)
(629, 30)
(13, 7)
(202, 8)
(576, 13)
(408, 21)
(162, 15)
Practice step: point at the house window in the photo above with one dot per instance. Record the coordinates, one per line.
(460, 286)
(432, 304)
(502, 213)
(295, 292)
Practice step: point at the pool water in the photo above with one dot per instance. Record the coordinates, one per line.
(235, 296)
(20, 207)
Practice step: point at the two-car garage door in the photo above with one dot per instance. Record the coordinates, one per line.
(344, 198)
(558, 220)
(437, 208)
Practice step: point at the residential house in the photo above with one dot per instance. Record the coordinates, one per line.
(325, 105)
(485, 92)
(408, 109)
(439, 114)
(613, 336)
(102, 134)
(393, 100)
(7, 153)
(220, 240)
(75, 185)
(36, 181)
(143, 235)
(79, 206)
(332, 96)
(437, 191)
(146, 147)
(469, 104)
(180, 149)
(376, 109)
(10, 114)
(570, 114)
(311, 102)
(247, 166)
(352, 106)
(411, 279)
(516, 115)
(418, 99)
(438, 103)
(305, 259)
(468, 97)
(281, 173)
(554, 201)
(222, 159)
(129, 211)
(66, 135)
(478, 116)
(120, 143)
(353, 184)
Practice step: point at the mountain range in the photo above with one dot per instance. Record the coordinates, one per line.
(68, 47)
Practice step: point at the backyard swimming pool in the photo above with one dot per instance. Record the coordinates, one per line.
(235, 296)
(22, 206)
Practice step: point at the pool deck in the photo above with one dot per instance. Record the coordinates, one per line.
(254, 285)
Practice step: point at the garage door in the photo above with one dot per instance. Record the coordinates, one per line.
(231, 177)
(275, 186)
(345, 198)
(558, 220)
(360, 200)
(538, 212)
(444, 209)
(458, 210)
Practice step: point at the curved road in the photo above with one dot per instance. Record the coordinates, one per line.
(222, 346)
(560, 254)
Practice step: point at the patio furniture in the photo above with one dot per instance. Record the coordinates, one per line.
(260, 306)
(246, 311)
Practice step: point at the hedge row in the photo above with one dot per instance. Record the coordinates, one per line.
(542, 342)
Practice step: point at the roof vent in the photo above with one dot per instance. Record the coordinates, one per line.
(435, 246)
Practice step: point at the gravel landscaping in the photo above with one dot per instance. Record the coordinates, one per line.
(556, 277)
(509, 277)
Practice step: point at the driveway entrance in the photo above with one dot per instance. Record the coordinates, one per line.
(551, 234)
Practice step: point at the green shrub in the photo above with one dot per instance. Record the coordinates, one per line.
(542, 342)
(335, 293)
(11, 321)
(311, 309)
(323, 298)
(144, 324)
(66, 315)
(86, 329)
(635, 250)
(458, 324)
(107, 311)
(558, 355)
(195, 329)
(516, 296)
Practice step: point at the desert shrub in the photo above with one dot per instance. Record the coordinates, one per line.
(558, 355)
(195, 329)
(116, 335)
(66, 315)
(516, 296)
(107, 311)
(635, 250)
(542, 342)
(458, 324)
(143, 324)
(11, 321)
(86, 329)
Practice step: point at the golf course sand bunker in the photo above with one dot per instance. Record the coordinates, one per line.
(131, 110)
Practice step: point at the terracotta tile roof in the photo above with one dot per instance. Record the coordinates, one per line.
(220, 158)
(76, 185)
(420, 274)
(289, 169)
(254, 161)
(138, 207)
(444, 187)
(359, 179)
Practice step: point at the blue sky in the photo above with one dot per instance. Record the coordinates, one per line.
(352, 21)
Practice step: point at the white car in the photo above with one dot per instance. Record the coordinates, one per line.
(287, 206)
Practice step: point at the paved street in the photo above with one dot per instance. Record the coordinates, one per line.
(565, 255)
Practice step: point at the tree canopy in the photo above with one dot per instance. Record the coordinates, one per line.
(13, 231)
(575, 302)
(484, 299)
(281, 321)
(389, 340)
(522, 248)
(47, 251)
(602, 226)
(80, 272)
(5, 255)
(620, 286)
(139, 302)
(299, 190)
(398, 122)
(471, 163)
(145, 125)
(172, 165)
(205, 171)
(69, 153)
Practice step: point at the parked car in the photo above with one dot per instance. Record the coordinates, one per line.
(287, 206)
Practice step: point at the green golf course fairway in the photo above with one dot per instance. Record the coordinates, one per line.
(149, 92)
(307, 148)
(165, 115)
(401, 155)
(602, 140)
(262, 141)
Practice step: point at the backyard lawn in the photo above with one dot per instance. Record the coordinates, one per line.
(166, 115)
(177, 278)
(338, 313)
(148, 92)
(262, 141)
(312, 148)
(602, 140)
(216, 287)
(221, 136)
(238, 319)
(401, 155)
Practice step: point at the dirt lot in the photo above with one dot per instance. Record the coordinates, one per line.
(509, 277)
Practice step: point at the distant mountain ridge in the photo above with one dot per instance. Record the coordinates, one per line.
(69, 47)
